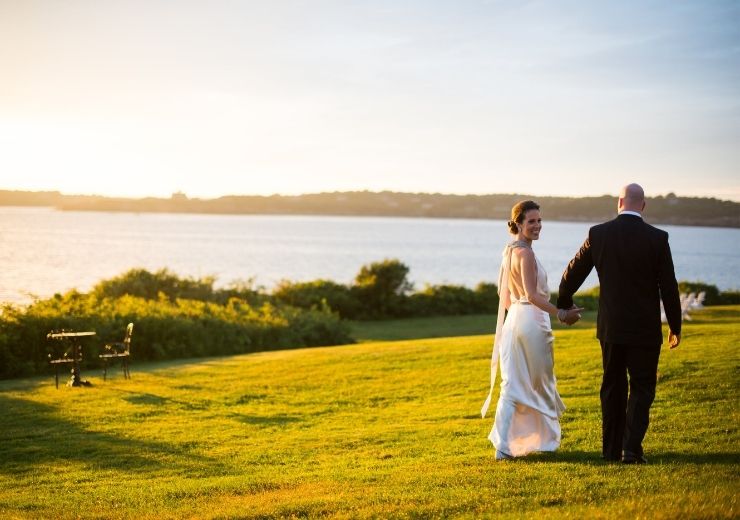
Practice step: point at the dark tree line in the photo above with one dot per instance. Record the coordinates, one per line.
(668, 209)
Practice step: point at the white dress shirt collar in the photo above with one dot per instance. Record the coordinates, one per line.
(628, 212)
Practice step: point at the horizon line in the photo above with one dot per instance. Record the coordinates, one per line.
(179, 193)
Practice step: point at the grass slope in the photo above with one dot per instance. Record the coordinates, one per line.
(368, 430)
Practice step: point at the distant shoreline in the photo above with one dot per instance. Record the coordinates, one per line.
(369, 216)
(665, 210)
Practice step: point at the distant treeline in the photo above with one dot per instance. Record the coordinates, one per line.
(668, 209)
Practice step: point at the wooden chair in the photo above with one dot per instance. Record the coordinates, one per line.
(118, 351)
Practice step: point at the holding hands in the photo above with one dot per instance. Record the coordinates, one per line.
(570, 316)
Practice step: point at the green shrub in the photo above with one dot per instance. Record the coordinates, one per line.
(314, 294)
(381, 288)
(452, 300)
(142, 283)
(588, 299)
(487, 294)
(165, 329)
(730, 297)
(242, 290)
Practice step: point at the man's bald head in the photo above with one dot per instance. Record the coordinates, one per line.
(631, 198)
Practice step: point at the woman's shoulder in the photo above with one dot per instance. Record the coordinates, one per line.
(523, 253)
(521, 247)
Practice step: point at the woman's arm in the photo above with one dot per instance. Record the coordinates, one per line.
(529, 278)
(506, 299)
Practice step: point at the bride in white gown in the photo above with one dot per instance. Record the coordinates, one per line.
(529, 406)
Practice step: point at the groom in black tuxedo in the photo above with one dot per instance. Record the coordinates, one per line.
(635, 268)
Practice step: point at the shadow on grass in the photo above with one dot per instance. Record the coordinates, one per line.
(145, 398)
(34, 434)
(28, 384)
(268, 420)
(152, 366)
(694, 458)
(594, 457)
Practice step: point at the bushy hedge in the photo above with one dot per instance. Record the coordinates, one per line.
(382, 290)
(148, 285)
(588, 299)
(164, 329)
(308, 295)
(713, 296)
(730, 297)
(451, 300)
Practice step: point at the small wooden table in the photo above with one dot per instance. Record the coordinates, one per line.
(71, 352)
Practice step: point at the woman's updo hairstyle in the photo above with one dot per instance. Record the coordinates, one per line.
(517, 214)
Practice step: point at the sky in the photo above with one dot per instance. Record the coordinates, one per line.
(210, 98)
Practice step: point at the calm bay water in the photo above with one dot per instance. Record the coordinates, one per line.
(44, 251)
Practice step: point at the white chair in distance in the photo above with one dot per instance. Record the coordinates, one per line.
(699, 301)
(686, 306)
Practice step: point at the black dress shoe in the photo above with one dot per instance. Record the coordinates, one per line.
(611, 458)
(633, 458)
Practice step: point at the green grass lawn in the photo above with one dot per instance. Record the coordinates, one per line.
(442, 327)
(383, 429)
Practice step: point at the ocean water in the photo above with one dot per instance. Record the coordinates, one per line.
(44, 251)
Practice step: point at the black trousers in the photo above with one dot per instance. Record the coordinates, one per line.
(625, 414)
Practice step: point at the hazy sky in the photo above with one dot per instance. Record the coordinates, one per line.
(138, 98)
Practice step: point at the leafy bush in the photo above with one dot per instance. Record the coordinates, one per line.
(588, 299)
(165, 329)
(243, 290)
(487, 294)
(451, 300)
(730, 297)
(307, 295)
(381, 291)
(381, 287)
(144, 284)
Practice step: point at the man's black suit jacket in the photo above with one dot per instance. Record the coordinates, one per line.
(635, 268)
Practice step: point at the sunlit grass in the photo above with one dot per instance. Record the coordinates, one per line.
(375, 429)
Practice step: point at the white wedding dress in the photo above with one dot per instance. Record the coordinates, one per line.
(529, 406)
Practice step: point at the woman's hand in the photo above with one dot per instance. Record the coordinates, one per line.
(570, 316)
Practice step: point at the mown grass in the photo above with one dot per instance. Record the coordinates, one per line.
(371, 430)
(441, 327)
